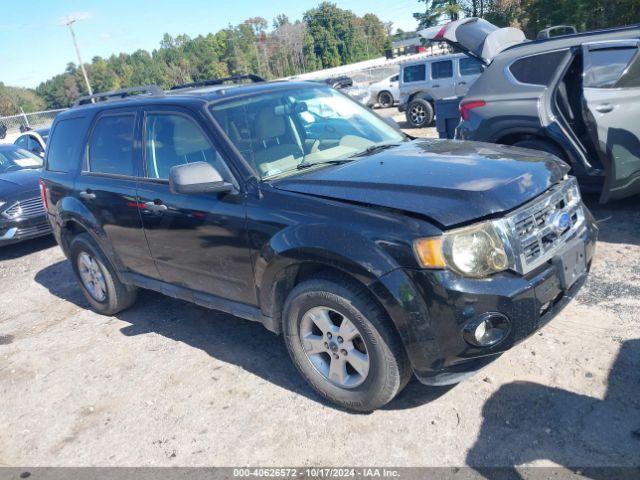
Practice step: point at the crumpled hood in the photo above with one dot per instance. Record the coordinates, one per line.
(12, 183)
(448, 181)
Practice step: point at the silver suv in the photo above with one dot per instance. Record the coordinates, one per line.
(434, 78)
(575, 96)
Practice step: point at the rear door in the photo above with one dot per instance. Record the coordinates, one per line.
(107, 186)
(612, 112)
(443, 83)
(198, 241)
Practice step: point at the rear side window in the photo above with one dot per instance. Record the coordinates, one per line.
(111, 145)
(470, 66)
(442, 69)
(537, 69)
(175, 140)
(606, 66)
(415, 73)
(395, 78)
(65, 145)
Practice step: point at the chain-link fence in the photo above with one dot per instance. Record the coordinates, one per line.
(13, 125)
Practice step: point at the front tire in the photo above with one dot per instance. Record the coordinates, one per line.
(419, 113)
(98, 281)
(343, 344)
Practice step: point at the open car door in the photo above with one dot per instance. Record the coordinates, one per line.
(612, 112)
(475, 37)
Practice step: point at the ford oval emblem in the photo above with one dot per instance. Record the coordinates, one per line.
(561, 222)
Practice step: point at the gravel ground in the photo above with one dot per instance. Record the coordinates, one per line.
(169, 383)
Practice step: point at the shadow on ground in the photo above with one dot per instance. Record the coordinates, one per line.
(524, 422)
(619, 220)
(222, 336)
(17, 250)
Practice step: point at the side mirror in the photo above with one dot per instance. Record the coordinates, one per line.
(197, 177)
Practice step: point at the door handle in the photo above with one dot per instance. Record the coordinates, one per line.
(435, 86)
(87, 194)
(462, 83)
(605, 108)
(155, 206)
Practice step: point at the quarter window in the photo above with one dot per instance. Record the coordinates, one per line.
(66, 144)
(537, 69)
(23, 141)
(442, 69)
(415, 73)
(111, 146)
(606, 66)
(172, 140)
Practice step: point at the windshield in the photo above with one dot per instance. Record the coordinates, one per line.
(12, 159)
(278, 132)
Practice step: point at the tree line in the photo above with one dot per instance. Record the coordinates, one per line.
(326, 36)
(534, 15)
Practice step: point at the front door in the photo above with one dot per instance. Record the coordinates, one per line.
(107, 187)
(612, 112)
(198, 241)
(442, 81)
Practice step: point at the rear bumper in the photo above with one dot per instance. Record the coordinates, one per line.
(14, 231)
(438, 304)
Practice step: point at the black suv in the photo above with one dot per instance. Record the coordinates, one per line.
(374, 254)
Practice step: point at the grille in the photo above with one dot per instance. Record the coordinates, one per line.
(32, 207)
(539, 229)
(32, 231)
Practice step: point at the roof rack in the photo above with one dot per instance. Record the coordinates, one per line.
(152, 90)
(220, 81)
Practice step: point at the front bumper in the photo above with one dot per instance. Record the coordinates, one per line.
(14, 231)
(442, 303)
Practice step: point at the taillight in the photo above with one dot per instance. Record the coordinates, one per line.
(466, 107)
(43, 194)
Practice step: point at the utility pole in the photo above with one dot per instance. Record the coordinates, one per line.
(69, 22)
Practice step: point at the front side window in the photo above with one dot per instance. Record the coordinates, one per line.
(172, 139)
(442, 69)
(111, 146)
(277, 132)
(470, 66)
(606, 66)
(415, 73)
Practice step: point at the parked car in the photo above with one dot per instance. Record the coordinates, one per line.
(33, 140)
(434, 78)
(385, 93)
(22, 214)
(575, 96)
(376, 256)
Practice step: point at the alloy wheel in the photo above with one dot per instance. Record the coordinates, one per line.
(335, 347)
(418, 114)
(92, 277)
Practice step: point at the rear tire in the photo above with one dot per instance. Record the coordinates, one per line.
(380, 368)
(543, 146)
(98, 281)
(419, 113)
(385, 100)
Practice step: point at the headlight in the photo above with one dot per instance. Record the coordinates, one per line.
(476, 251)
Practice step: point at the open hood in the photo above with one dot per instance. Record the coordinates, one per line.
(475, 37)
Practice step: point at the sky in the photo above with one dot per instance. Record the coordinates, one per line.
(35, 45)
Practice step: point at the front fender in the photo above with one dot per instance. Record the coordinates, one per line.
(335, 247)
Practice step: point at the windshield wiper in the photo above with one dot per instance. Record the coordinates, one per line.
(303, 165)
(374, 149)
